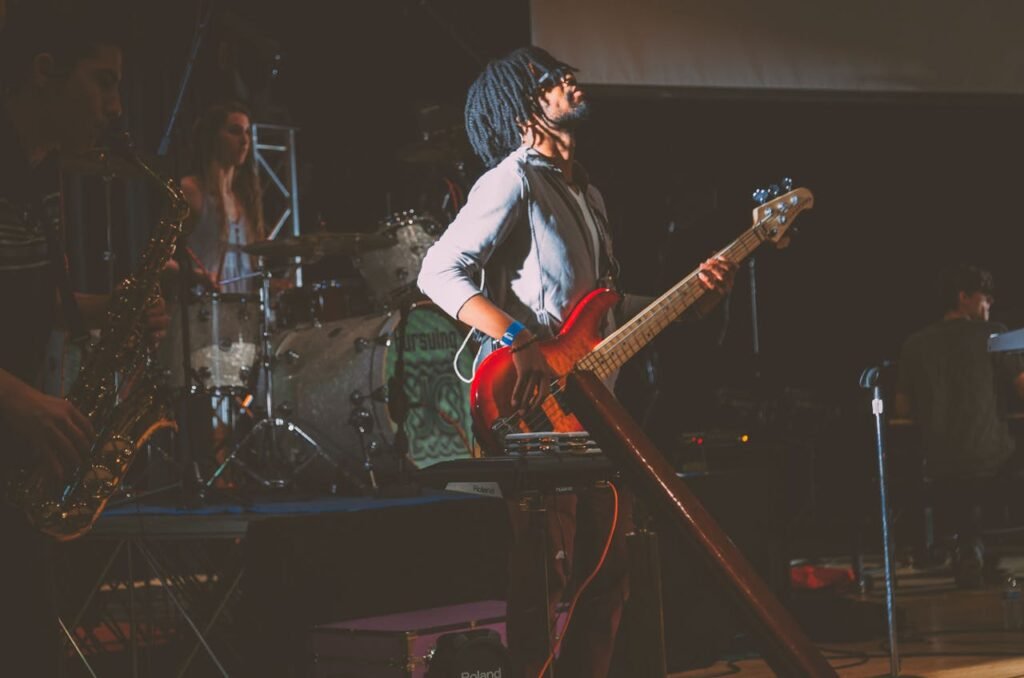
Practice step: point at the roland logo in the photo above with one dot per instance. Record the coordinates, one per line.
(481, 674)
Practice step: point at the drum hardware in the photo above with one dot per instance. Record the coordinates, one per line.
(398, 408)
(390, 272)
(321, 302)
(381, 410)
(316, 245)
(265, 436)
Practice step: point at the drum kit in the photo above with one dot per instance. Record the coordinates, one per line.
(343, 385)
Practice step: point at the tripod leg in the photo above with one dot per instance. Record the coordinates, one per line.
(321, 451)
(232, 458)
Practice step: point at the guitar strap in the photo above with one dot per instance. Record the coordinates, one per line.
(610, 277)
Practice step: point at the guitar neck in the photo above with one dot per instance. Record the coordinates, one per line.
(626, 341)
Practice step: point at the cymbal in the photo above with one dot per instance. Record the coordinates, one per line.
(99, 162)
(313, 245)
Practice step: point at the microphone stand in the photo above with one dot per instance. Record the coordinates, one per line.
(870, 380)
(191, 479)
(399, 408)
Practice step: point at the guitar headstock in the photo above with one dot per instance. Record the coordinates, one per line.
(778, 206)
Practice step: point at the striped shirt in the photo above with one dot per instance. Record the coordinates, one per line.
(28, 199)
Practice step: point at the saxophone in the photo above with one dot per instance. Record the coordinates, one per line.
(118, 389)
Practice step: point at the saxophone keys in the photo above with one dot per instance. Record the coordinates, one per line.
(99, 481)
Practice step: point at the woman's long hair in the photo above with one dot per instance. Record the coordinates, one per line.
(246, 184)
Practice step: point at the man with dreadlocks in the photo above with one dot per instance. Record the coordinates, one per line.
(534, 232)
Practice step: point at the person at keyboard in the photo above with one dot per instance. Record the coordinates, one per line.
(957, 393)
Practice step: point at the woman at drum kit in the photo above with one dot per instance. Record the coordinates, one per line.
(221, 282)
(225, 198)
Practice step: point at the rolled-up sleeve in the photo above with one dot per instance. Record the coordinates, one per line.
(495, 205)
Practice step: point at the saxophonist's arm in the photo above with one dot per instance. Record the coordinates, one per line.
(52, 427)
(94, 313)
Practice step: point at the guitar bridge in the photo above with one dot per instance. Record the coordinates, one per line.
(511, 425)
(550, 442)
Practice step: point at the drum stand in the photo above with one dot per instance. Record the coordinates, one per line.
(188, 470)
(265, 436)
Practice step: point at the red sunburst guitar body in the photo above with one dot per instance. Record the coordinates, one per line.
(491, 392)
(580, 345)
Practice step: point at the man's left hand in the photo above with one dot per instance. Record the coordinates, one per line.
(717, 275)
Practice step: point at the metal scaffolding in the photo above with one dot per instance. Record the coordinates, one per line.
(274, 152)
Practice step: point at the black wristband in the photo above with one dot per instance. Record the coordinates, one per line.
(520, 347)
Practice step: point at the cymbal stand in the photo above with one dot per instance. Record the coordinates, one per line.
(267, 429)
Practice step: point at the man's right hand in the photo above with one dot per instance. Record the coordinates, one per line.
(53, 428)
(533, 376)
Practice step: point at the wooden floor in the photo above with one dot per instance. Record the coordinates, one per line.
(950, 633)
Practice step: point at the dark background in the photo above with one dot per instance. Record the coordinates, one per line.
(904, 186)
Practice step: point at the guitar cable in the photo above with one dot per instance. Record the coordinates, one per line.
(458, 354)
(597, 568)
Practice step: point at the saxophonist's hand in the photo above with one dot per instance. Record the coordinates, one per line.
(55, 430)
(157, 321)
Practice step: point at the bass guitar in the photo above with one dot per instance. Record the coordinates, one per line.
(579, 344)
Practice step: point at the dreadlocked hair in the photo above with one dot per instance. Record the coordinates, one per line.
(503, 98)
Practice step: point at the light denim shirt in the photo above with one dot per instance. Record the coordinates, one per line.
(523, 228)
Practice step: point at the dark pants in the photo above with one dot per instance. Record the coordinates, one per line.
(576, 528)
(30, 636)
(963, 505)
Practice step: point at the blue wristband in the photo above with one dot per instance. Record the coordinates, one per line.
(512, 332)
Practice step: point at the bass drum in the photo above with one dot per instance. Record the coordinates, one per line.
(356, 380)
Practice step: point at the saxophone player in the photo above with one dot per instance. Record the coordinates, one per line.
(60, 71)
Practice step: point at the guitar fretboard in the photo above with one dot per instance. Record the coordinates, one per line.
(625, 342)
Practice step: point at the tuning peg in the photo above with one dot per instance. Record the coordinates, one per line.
(787, 184)
(774, 190)
(761, 196)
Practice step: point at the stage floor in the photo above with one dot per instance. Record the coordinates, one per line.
(951, 633)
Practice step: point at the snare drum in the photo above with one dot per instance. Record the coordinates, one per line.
(224, 331)
(391, 271)
(360, 372)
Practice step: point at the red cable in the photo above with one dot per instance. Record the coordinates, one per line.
(586, 583)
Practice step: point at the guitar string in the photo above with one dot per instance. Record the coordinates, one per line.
(603, 367)
(651, 317)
